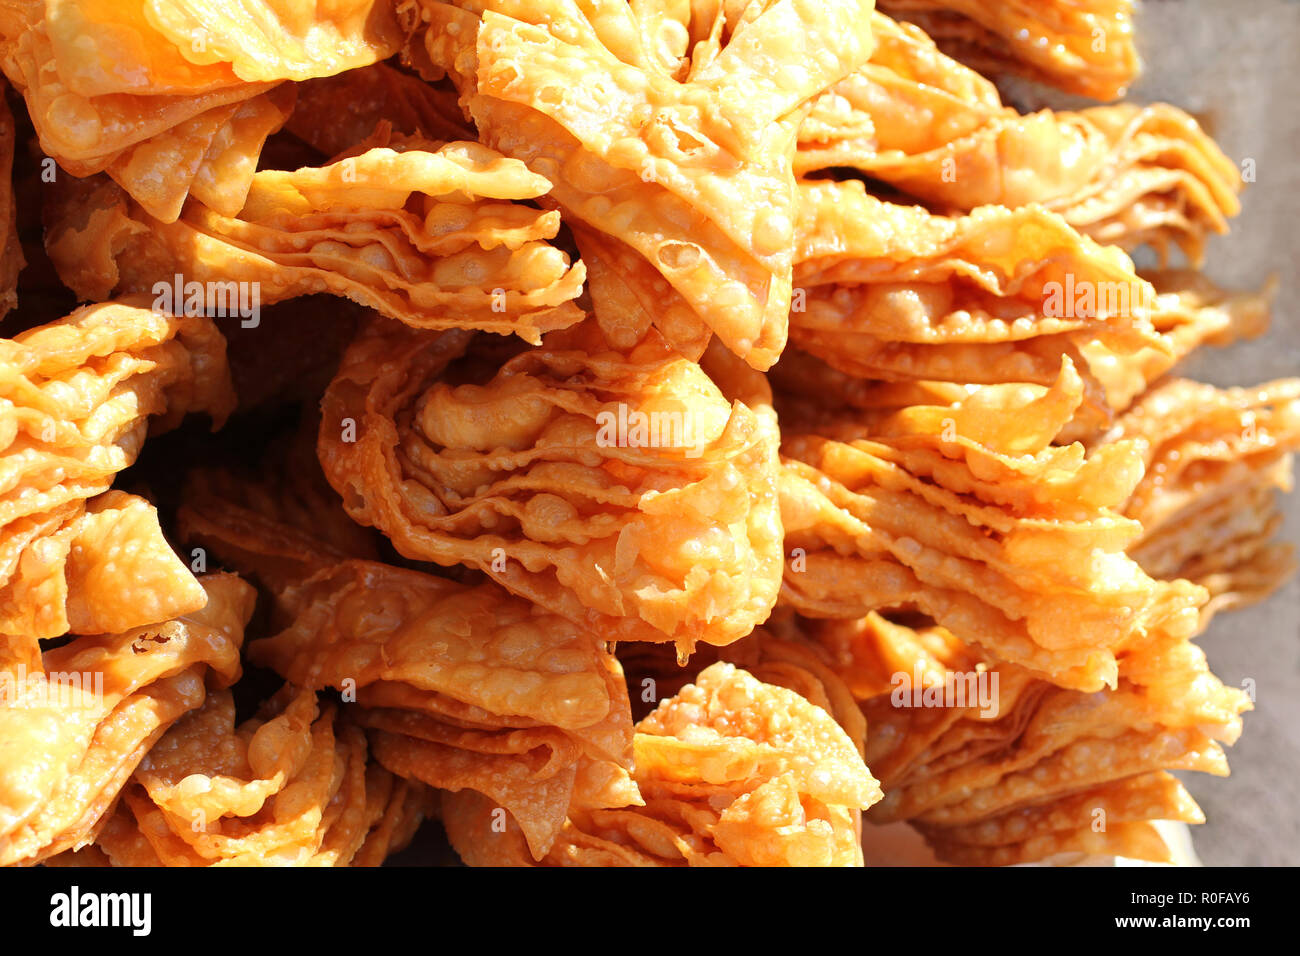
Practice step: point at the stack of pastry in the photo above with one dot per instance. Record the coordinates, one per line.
(744, 424)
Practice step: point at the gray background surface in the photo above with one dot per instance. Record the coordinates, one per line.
(1236, 65)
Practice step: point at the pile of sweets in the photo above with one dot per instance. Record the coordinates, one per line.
(614, 433)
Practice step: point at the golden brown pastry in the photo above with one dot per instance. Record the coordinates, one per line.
(621, 489)
(733, 771)
(1127, 175)
(678, 143)
(77, 397)
(72, 733)
(459, 686)
(897, 293)
(1081, 46)
(996, 766)
(173, 98)
(432, 234)
(1207, 502)
(291, 786)
(968, 513)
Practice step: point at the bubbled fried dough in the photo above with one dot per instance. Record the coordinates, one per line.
(1215, 459)
(1031, 771)
(965, 512)
(531, 478)
(291, 786)
(1126, 175)
(549, 474)
(1080, 47)
(678, 145)
(896, 293)
(429, 233)
(459, 687)
(67, 749)
(77, 397)
(734, 772)
(169, 99)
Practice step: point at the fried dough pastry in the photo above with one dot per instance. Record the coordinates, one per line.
(72, 734)
(1207, 502)
(460, 686)
(335, 113)
(968, 513)
(289, 787)
(769, 655)
(669, 129)
(67, 576)
(530, 270)
(1080, 47)
(1189, 311)
(463, 686)
(429, 234)
(174, 97)
(810, 395)
(534, 771)
(1126, 175)
(264, 40)
(897, 293)
(622, 489)
(1033, 770)
(1116, 819)
(733, 771)
(76, 399)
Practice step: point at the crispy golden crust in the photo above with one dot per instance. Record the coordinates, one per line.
(73, 734)
(1127, 175)
(733, 772)
(1080, 47)
(897, 293)
(459, 686)
(76, 399)
(774, 656)
(967, 512)
(1207, 503)
(168, 99)
(538, 477)
(288, 787)
(679, 145)
(1027, 770)
(427, 233)
(1185, 311)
